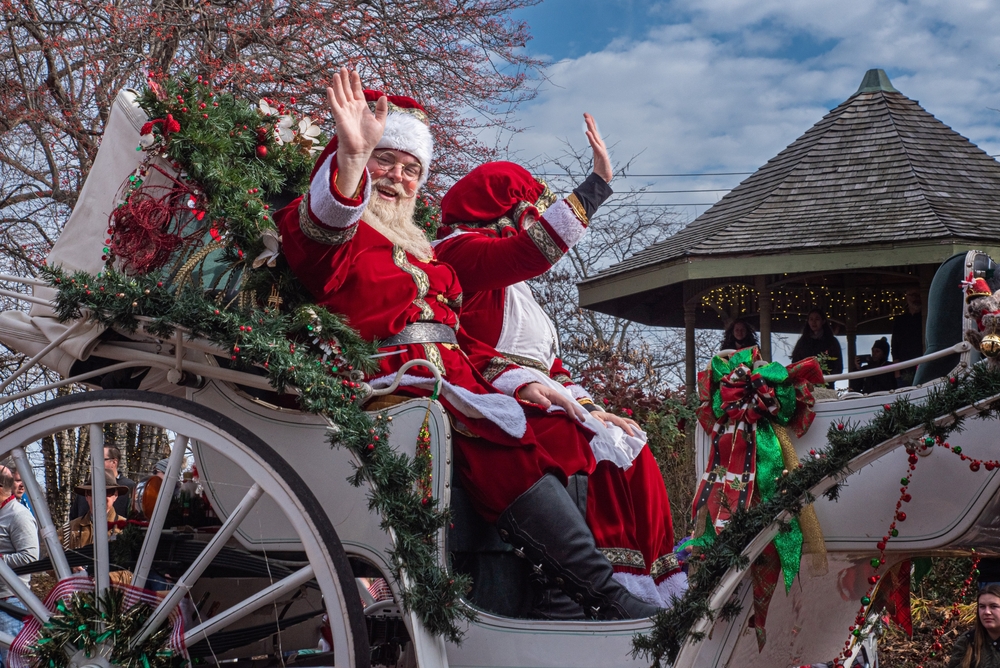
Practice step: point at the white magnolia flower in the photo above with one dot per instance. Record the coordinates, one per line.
(272, 249)
(308, 129)
(283, 130)
(267, 109)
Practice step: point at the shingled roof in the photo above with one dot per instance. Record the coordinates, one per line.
(877, 171)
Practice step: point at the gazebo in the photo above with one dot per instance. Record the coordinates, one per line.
(861, 208)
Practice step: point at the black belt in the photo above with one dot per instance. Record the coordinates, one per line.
(422, 332)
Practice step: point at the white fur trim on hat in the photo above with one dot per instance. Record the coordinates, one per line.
(405, 132)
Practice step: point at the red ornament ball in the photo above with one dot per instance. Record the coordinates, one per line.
(900, 517)
(974, 466)
(261, 151)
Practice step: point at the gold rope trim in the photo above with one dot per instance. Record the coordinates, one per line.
(812, 533)
(578, 210)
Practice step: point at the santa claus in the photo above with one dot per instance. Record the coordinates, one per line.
(352, 242)
(501, 226)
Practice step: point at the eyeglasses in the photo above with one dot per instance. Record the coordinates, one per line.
(386, 162)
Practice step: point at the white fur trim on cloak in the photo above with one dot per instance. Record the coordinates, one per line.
(672, 589)
(640, 586)
(404, 132)
(325, 208)
(563, 220)
(501, 410)
(609, 442)
(578, 392)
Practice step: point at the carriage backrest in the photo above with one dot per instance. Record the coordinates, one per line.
(946, 310)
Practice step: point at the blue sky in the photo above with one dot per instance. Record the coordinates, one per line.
(695, 86)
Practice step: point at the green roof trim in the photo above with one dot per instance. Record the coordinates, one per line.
(875, 81)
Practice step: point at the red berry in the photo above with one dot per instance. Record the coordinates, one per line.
(840, 426)
(901, 516)
(261, 151)
(887, 407)
(880, 545)
(974, 466)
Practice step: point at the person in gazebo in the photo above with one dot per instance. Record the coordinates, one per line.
(739, 334)
(818, 340)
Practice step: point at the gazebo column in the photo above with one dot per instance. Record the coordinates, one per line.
(926, 276)
(764, 310)
(689, 350)
(851, 320)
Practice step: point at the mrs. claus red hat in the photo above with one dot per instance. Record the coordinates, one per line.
(488, 192)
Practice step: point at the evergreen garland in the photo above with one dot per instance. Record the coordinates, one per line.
(78, 622)
(671, 628)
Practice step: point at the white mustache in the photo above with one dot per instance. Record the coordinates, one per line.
(397, 188)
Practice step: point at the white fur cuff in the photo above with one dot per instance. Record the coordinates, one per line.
(325, 208)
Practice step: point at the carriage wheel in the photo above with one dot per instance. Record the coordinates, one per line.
(324, 569)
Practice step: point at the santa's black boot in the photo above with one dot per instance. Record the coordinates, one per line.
(548, 600)
(545, 525)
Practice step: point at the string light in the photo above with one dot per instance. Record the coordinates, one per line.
(796, 301)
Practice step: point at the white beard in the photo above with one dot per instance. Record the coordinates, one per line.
(394, 220)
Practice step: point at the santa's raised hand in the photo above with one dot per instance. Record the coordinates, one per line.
(358, 129)
(602, 161)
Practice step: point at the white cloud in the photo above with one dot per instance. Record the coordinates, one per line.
(722, 85)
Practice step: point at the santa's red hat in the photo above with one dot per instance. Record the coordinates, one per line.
(490, 191)
(406, 128)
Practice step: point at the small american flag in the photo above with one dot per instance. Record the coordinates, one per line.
(379, 589)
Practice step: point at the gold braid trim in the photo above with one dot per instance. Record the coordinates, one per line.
(546, 199)
(664, 565)
(812, 533)
(549, 248)
(318, 233)
(426, 312)
(527, 362)
(433, 355)
(620, 556)
(495, 368)
(578, 210)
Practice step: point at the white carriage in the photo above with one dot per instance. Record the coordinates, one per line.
(295, 537)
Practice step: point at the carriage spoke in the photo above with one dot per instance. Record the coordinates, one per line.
(243, 608)
(198, 566)
(23, 592)
(98, 508)
(166, 493)
(46, 528)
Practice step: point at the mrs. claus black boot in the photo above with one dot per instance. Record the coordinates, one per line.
(545, 525)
